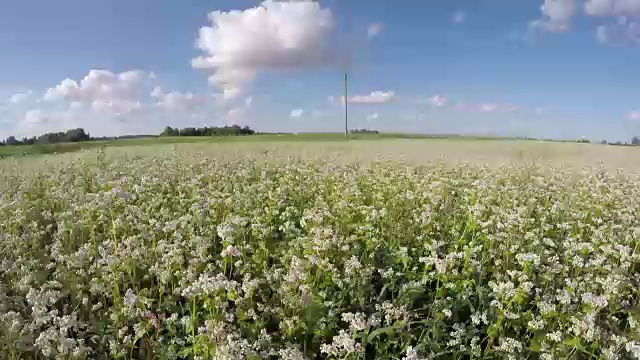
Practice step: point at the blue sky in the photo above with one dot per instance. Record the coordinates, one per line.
(554, 68)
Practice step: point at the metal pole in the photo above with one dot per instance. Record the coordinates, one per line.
(346, 106)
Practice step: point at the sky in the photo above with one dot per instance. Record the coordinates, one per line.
(564, 69)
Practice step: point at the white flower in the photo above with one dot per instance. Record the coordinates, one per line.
(510, 345)
(555, 336)
(342, 344)
(230, 251)
(411, 354)
(352, 265)
(357, 321)
(633, 348)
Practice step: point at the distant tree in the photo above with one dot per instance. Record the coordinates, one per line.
(635, 141)
(169, 131)
(233, 130)
(11, 140)
(364, 131)
(29, 141)
(75, 135)
(604, 142)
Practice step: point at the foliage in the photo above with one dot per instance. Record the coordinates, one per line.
(364, 131)
(73, 135)
(199, 257)
(234, 130)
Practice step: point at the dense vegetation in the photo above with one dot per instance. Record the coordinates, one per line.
(80, 135)
(233, 130)
(73, 135)
(203, 257)
(364, 131)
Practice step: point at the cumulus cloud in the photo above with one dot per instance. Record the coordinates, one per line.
(20, 97)
(459, 17)
(238, 115)
(177, 101)
(104, 90)
(35, 117)
(296, 113)
(624, 30)
(612, 7)
(108, 103)
(437, 101)
(556, 14)
(374, 30)
(272, 36)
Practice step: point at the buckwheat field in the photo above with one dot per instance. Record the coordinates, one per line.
(368, 250)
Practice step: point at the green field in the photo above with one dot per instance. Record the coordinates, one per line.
(70, 147)
(310, 247)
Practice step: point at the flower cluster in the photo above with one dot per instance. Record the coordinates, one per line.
(191, 253)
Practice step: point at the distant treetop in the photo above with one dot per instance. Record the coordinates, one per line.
(233, 130)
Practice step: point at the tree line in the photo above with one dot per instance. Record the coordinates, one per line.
(79, 135)
(73, 135)
(233, 130)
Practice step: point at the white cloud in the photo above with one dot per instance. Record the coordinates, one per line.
(374, 30)
(376, 97)
(488, 107)
(20, 97)
(35, 117)
(557, 15)
(238, 115)
(296, 113)
(634, 115)
(157, 92)
(107, 103)
(612, 7)
(272, 36)
(437, 101)
(372, 116)
(102, 86)
(624, 30)
(459, 17)
(177, 101)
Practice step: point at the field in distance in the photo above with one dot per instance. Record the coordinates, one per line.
(12, 150)
(379, 248)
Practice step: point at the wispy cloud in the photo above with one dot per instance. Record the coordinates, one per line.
(374, 30)
(459, 17)
(438, 101)
(296, 113)
(376, 97)
(372, 116)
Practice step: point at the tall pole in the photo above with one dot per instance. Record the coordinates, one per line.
(346, 106)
